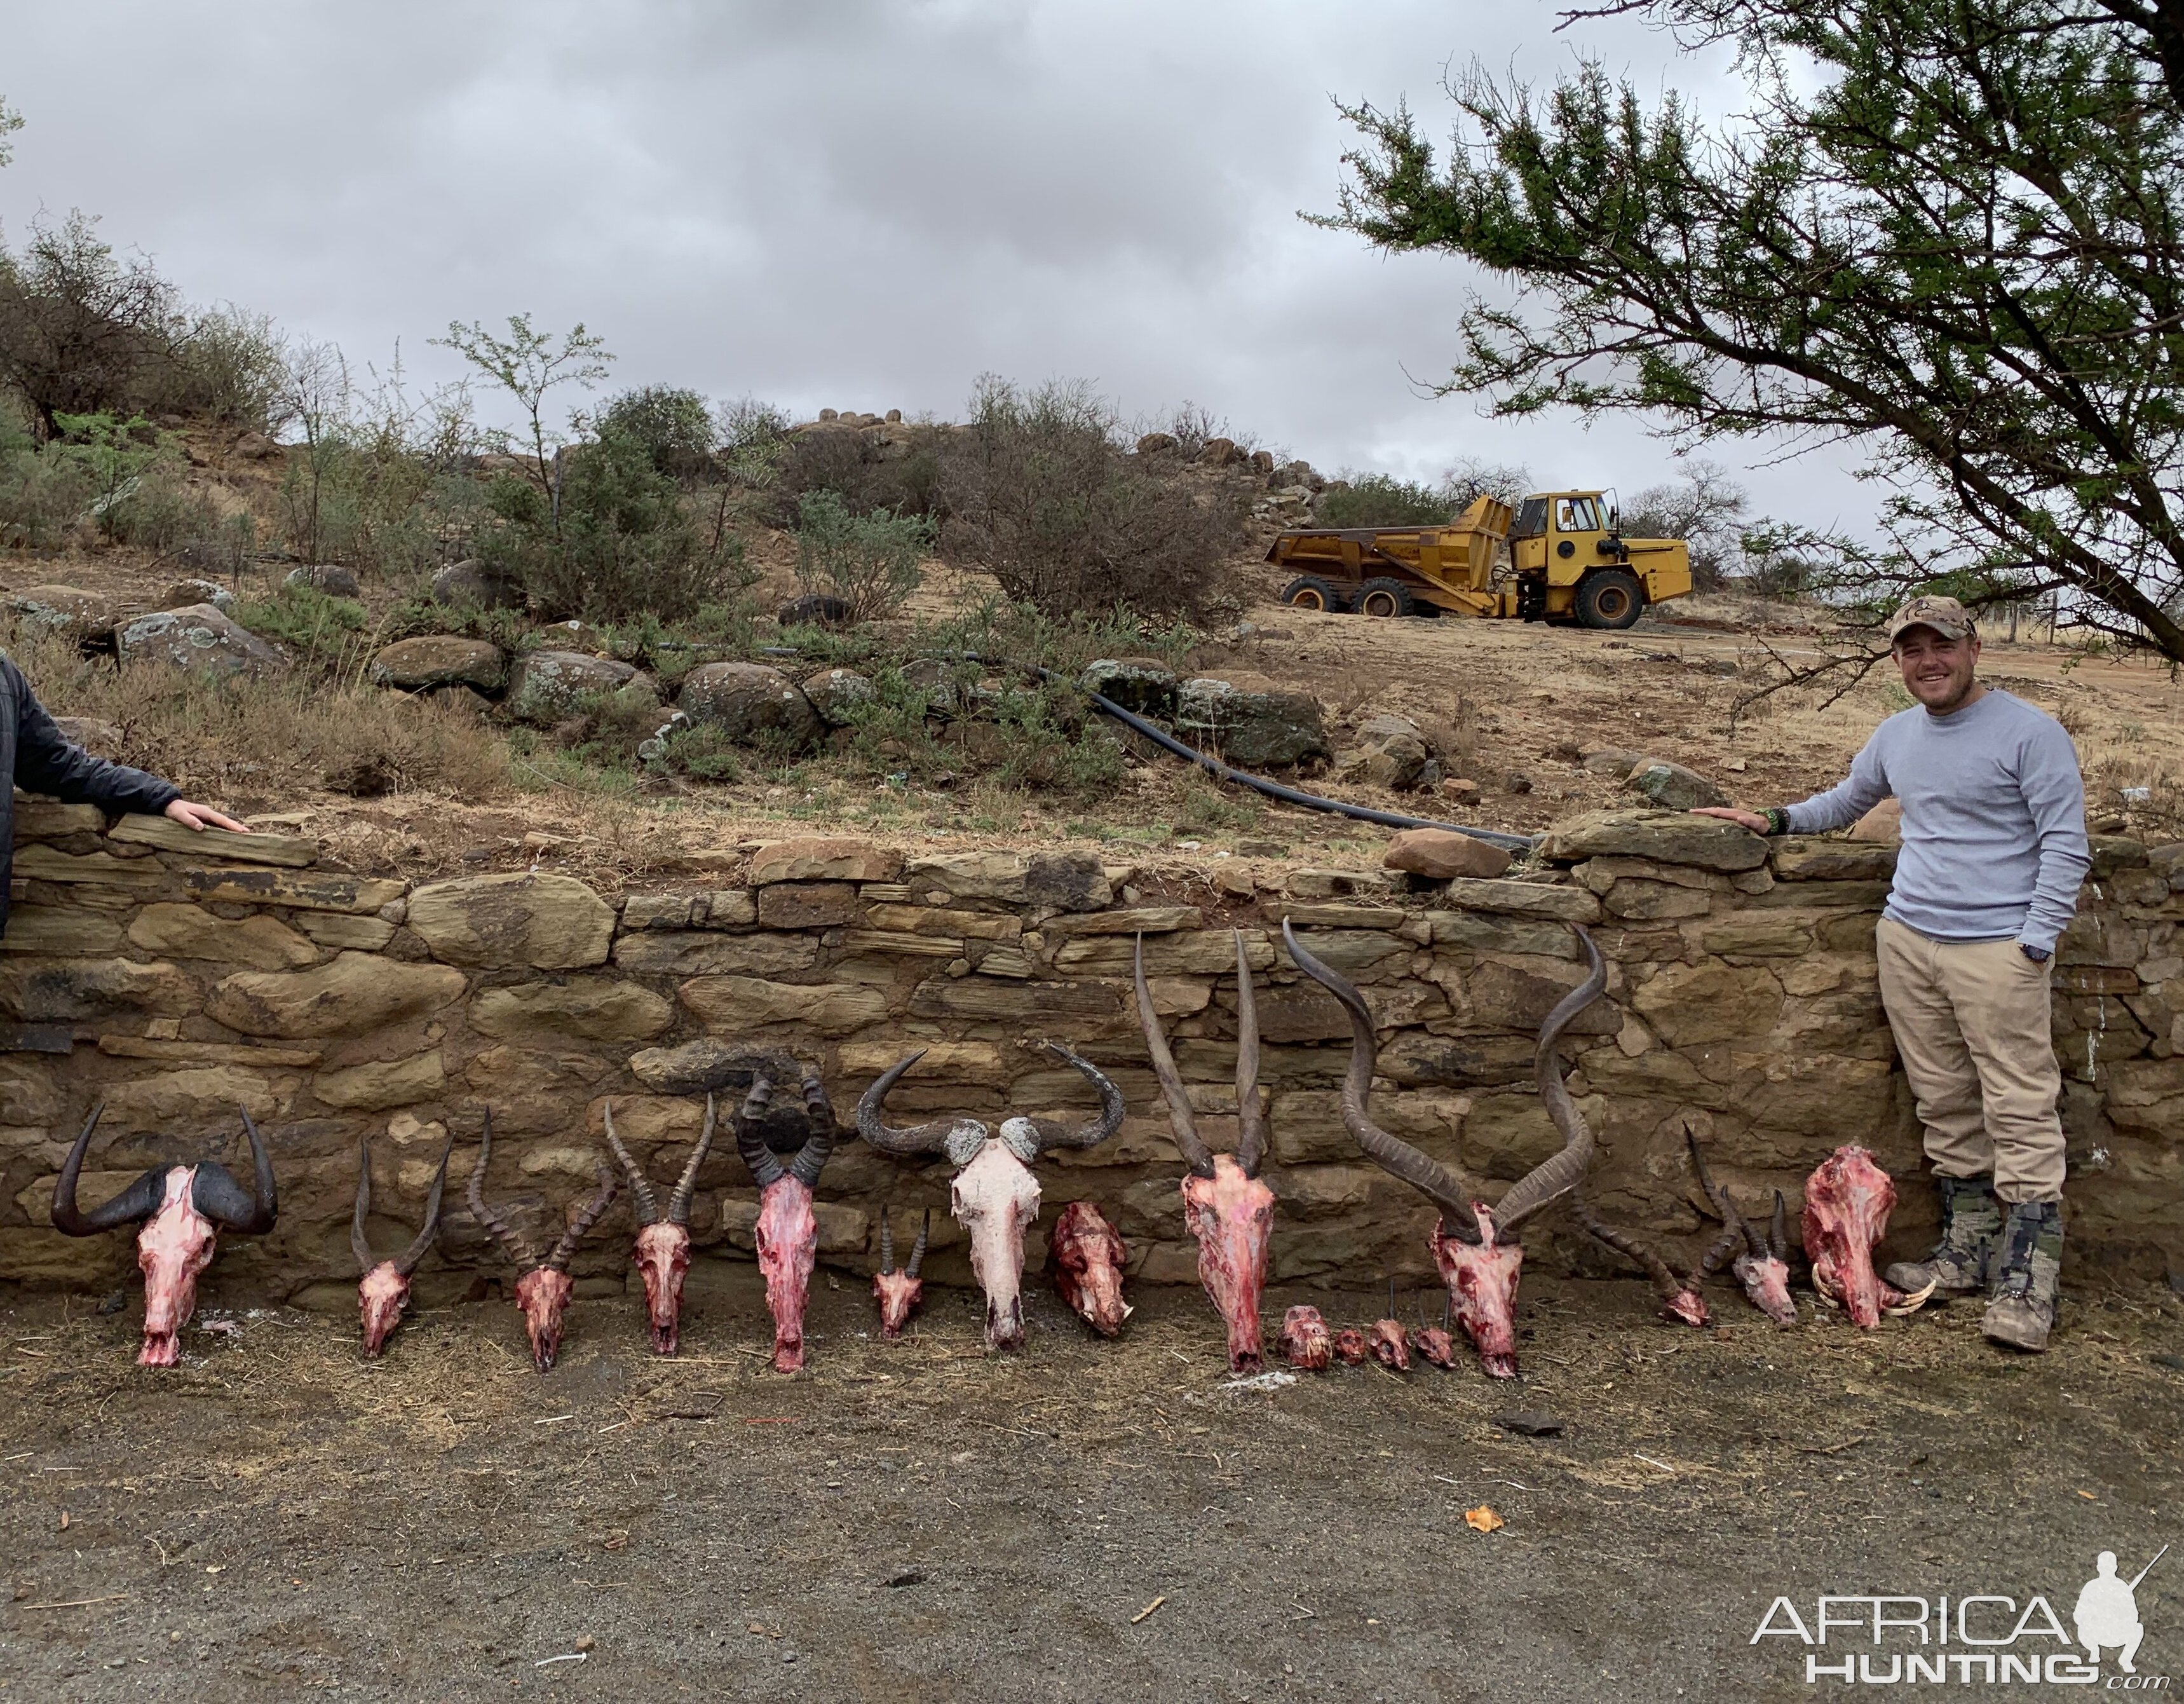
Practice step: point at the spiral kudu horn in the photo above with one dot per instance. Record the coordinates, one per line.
(1558, 1174)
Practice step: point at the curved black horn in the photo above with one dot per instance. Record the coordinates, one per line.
(406, 1262)
(917, 1249)
(678, 1204)
(818, 1147)
(1195, 1153)
(1665, 1282)
(1094, 1130)
(220, 1197)
(765, 1169)
(139, 1201)
(1735, 1229)
(640, 1186)
(917, 1138)
(518, 1246)
(358, 1242)
(1452, 1193)
(1558, 1174)
(594, 1210)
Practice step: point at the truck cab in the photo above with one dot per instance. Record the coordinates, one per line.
(1572, 563)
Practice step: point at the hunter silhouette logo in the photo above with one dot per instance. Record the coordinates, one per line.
(2108, 1611)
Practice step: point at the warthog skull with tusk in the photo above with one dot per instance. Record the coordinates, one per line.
(1230, 1208)
(543, 1289)
(662, 1250)
(1479, 1268)
(383, 1291)
(788, 1232)
(898, 1293)
(1763, 1267)
(1089, 1253)
(1304, 1341)
(995, 1197)
(182, 1209)
(1848, 1201)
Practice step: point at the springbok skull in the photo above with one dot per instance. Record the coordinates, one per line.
(1088, 1256)
(994, 1195)
(383, 1290)
(1480, 1269)
(898, 1293)
(788, 1232)
(1762, 1268)
(1230, 1208)
(1848, 1201)
(662, 1250)
(543, 1289)
(182, 1209)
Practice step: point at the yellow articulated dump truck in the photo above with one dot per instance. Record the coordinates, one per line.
(1558, 557)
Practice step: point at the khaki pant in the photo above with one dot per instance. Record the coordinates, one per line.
(1971, 1023)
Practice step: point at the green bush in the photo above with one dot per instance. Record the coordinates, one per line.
(675, 426)
(869, 562)
(42, 494)
(306, 620)
(1377, 500)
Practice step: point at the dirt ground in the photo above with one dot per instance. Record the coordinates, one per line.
(277, 1519)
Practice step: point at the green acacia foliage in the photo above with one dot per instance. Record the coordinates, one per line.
(869, 562)
(675, 426)
(1947, 232)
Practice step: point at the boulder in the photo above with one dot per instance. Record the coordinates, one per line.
(1157, 443)
(1672, 786)
(836, 694)
(45, 990)
(1135, 683)
(377, 1087)
(197, 591)
(476, 585)
(823, 857)
(1666, 836)
(1611, 760)
(1393, 754)
(1883, 823)
(545, 686)
(356, 992)
(1253, 723)
(1220, 452)
(817, 609)
(201, 639)
(66, 610)
(706, 1066)
(573, 635)
(751, 703)
(440, 659)
(189, 932)
(1444, 855)
(330, 577)
(508, 922)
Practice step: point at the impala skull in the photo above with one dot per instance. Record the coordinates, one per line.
(662, 1250)
(1762, 1265)
(383, 1289)
(545, 1286)
(1848, 1201)
(788, 1230)
(1088, 1255)
(182, 1209)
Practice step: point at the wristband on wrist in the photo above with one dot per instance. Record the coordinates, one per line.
(1778, 819)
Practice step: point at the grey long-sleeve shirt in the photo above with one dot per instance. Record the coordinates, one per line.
(1994, 819)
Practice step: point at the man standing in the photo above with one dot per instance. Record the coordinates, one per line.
(36, 756)
(1994, 851)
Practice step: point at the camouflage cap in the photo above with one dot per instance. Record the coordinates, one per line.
(1946, 616)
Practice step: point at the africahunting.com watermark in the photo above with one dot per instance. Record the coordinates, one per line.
(1982, 1639)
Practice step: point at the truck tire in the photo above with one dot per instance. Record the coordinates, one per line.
(1611, 598)
(1310, 591)
(1385, 597)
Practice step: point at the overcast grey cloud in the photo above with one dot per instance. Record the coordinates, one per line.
(857, 203)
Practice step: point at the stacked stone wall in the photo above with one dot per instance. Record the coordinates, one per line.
(171, 984)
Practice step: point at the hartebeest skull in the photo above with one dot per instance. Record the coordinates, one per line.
(662, 1250)
(1228, 1206)
(1848, 1201)
(182, 1209)
(788, 1232)
(1480, 1269)
(1763, 1267)
(898, 1293)
(543, 1289)
(1088, 1255)
(993, 1196)
(383, 1290)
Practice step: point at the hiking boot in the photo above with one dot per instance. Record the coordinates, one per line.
(2028, 1266)
(1971, 1221)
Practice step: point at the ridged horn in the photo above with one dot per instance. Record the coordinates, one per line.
(520, 1247)
(1195, 1153)
(766, 1167)
(818, 1147)
(678, 1204)
(1250, 1116)
(640, 1186)
(594, 1210)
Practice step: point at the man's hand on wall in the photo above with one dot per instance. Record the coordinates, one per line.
(1730, 813)
(202, 817)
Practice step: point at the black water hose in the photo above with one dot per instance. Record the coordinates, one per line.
(1222, 772)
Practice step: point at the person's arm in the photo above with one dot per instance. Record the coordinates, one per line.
(47, 761)
(1842, 805)
(2055, 795)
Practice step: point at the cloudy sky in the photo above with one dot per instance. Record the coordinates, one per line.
(859, 203)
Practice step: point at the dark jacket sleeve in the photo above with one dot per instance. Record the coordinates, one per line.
(47, 761)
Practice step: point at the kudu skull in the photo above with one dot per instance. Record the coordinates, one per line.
(788, 1232)
(182, 1209)
(543, 1289)
(662, 1249)
(1230, 1208)
(383, 1289)
(898, 1293)
(1478, 1265)
(994, 1195)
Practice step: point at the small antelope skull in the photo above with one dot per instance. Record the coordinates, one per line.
(1304, 1341)
(1679, 1296)
(898, 1293)
(1762, 1268)
(182, 1209)
(788, 1232)
(662, 1249)
(383, 1290)
(993, 1196)
(1088, 1255)
(544, 1287)
(1230, 1208)
(1848, 1201)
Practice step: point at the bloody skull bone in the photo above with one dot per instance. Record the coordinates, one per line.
(1304, 1341)
(1230, 1209)
(1390, 1346)
(899, 1294)
(788, 1232)
(1679, 1296)
(543, 1289)
(1761, 1268)
(1480, 1270)
(662, 1249)
(1433, 1345)
(993, 1196)
(182, 1209)
(1847, 1200)
(1089, 1253)
(383, 1290)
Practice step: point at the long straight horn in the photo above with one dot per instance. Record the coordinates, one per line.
(1778, 1234)
(1250, 1116)
(406, 1262)
(765, 1169)
(518, 1246)
(1558, 1174)
(887, 1245)
(594, 1210)
(358, 1243)
(917, 1249)
(640, 1186)
(1195, 1153)
(678, 1204)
